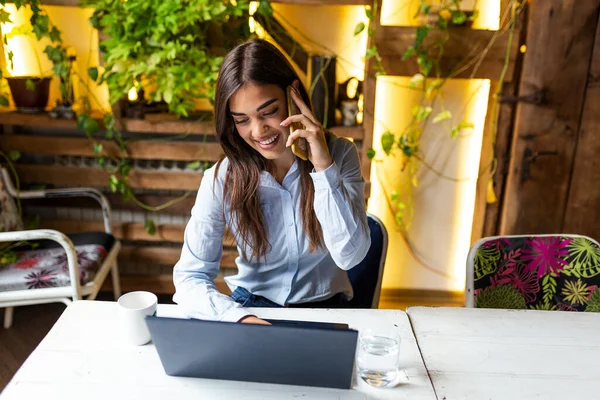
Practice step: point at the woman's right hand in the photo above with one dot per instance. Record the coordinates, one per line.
(251, 319)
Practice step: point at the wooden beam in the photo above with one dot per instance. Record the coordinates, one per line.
(97, 177)
(285, 40)
(463, 47)
(485, 165)
(172, 233)
(505, 123)
(143, 149)
(582, 215)
(370, 88)
(560, 39)
(168, 126)
(116, 201)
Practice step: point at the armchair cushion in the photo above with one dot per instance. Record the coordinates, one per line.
(46, 266)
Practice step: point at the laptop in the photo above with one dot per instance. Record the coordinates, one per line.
(288, 352)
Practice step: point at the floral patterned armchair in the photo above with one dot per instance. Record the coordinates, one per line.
(542, 272)
(59, 267)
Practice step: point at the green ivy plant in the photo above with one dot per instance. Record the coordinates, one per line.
(429, 81)
(170, 50)
(41, 27)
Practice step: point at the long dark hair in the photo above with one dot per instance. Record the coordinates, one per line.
(256, 61)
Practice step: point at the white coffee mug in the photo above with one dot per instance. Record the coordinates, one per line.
(133, 308)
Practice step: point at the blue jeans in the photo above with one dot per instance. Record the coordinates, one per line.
(247, 299)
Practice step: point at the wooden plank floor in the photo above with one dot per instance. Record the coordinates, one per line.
(32, 323)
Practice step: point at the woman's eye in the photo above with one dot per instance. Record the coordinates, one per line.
(240, 121)
(273, 112)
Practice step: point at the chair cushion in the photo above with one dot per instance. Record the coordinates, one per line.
(559, 272)
(46, 266)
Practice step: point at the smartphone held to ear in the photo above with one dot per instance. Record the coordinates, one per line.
(299, 146)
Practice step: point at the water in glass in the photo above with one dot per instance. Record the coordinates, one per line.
(377, 360)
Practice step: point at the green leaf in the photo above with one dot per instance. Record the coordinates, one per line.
(371, 153)
(442, 116)
(371, 52)
(93, 73)
(54, 34)
(408, 53)
(194, 165)
(97, 148)
(425, 8)
(416, 80)
(461, 126)
(424, 63)
(421, 34)
(14, 155)
(369, 12)
(113, 183)
(265, 8)
(150, 227)
(101, 161)
(421, 112)
(91, 126)
(387, 141)
(458, 17)
(394, 195)
(359, 28)
(30, 85)
(34, 223)
(4, 101)
(400, 218)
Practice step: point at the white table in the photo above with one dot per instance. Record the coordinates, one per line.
(82, 357)
(505, 354)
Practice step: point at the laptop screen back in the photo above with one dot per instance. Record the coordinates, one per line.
(284, 354)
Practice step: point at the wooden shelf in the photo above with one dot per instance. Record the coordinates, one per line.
(144, 126)
(463, 45)
(141, 149)
(62, 176)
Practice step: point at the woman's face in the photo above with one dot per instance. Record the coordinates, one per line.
(257, 112)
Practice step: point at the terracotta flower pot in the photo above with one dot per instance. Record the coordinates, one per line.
(29, 101)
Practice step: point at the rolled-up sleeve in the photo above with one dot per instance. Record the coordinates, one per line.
(340, 207)
(198, 266)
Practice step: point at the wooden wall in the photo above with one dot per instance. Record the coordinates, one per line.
(553, 175)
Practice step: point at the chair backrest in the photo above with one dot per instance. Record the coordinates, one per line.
(10, 220)
(542, 272)
(367, 275)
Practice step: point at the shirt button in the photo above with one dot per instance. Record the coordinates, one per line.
(294, 253)
(291, 222)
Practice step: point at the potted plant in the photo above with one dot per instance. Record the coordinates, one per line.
(30, 93)
(170, 51)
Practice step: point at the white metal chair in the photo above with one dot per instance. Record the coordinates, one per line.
(46, 274)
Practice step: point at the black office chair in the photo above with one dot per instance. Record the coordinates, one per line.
(367, 275)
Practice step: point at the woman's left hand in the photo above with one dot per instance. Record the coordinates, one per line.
(313, 133)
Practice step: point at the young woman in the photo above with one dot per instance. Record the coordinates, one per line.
(299, 225)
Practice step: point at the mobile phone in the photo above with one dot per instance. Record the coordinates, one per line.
(299, 146)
